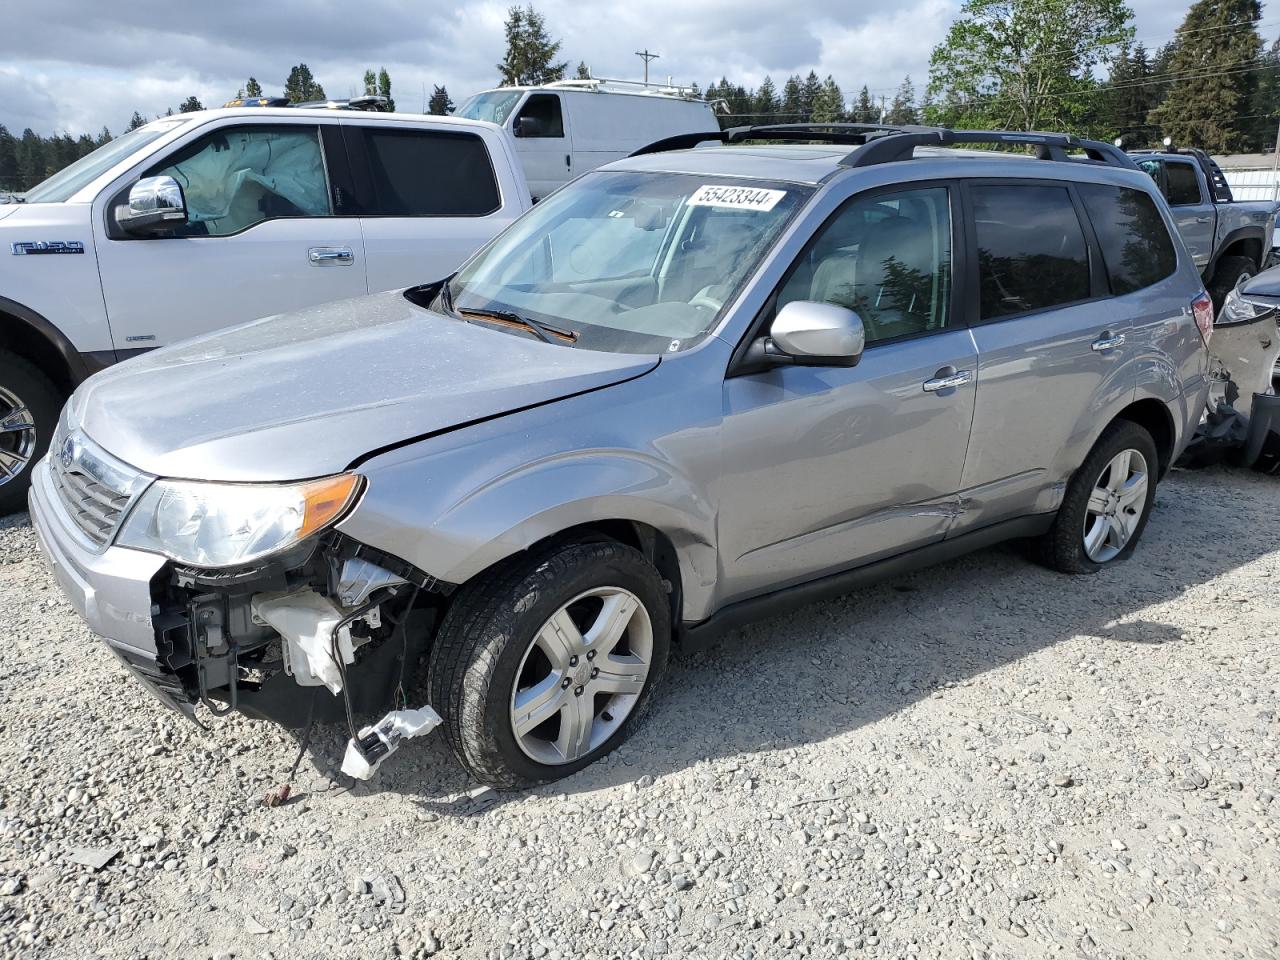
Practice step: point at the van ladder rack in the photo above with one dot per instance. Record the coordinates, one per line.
(887, 143)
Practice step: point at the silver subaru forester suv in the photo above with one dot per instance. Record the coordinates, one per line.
(682, 393)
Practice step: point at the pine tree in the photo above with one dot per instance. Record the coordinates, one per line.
(531, 53)
(864, 111)
(32, 166)
(384, 88)
(8, 161)
(136, 120)
(903, 108)
(766, 104)
(253, 88)
(809, 91)
(828, 105)
(1213, 86)
(584, 72)
(791, 100)
(302, 86)
(439, 104)
(1129, 97)
(103, 137)
(190, 105)
(1266, 99)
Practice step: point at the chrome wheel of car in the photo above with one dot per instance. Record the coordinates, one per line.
(17, 435)
(582, 675)
(1115, 506)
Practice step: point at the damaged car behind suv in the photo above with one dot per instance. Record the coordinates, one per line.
(689, 390)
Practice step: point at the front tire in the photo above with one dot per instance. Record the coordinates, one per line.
(547, 663)
(29, 406)
(1107, 503)
(1228, 274)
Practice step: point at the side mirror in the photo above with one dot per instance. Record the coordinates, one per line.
(525, 127)
(812, 334)
(155, 203)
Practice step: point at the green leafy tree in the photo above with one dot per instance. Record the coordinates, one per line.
(302, 86)
(370, 83)
(1214, 77)
(252, 88)
(1024, 64)
(439, 104)
(903, 108)
(384, 88)
(828, 105)
(190, 105)
(531, 53)
(863, 109)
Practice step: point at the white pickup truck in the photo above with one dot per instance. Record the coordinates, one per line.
(203, 220)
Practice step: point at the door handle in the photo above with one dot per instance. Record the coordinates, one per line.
(1204, 219)
(947, 381)
(330, 256)
(568, 161)
(1107, 342)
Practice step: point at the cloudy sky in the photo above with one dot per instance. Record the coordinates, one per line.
(75, 65)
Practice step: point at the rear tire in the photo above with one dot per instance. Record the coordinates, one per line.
(1228, 274)
(29, 407)
(522, 672)
(1105, 508)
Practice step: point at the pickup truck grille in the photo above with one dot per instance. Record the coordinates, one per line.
(94, 487)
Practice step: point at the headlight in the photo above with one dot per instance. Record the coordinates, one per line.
(1237, 309)
(227, 524)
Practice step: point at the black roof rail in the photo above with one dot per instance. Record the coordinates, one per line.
(885, 143)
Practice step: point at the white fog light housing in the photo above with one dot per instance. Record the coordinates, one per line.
(229, 524)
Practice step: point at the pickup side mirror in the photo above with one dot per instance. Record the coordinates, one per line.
(155, 204)
(812, 334)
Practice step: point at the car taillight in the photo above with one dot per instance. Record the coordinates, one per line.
(1202, 310)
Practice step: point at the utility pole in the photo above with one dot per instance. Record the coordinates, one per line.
(646, 56)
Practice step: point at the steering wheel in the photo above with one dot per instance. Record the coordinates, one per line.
(703, 298)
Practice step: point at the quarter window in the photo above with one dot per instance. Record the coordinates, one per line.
(886, 257)
(1031, 249)
(236, 177)
(1182, 187)
(1136, 248)
(419, 173)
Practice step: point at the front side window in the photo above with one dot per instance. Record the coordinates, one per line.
(885, 257)
(540, 117)
(68, 181)
(420, 173)
(626, 261)
(1031, 249)
(237, 177)
(1136, 248)
(1182, 186)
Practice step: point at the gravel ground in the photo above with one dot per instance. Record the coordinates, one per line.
(983, 759)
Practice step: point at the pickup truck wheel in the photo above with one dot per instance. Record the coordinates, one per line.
(29, 405)
(547, 663)
(1107, 503)
(1229, 273)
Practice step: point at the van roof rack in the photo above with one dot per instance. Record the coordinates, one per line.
(611, 85)
(885, 143)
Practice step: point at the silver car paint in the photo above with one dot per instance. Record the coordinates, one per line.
(758, 481)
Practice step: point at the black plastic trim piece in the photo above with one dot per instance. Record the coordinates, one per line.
(77, 369)
(696, 636)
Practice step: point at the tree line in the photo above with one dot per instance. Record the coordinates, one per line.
(1072, 65)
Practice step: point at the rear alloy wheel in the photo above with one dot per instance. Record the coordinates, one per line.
(29, 405)
(1107, 503)
(546, 663)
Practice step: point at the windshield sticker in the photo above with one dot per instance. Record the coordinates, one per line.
(739, 198)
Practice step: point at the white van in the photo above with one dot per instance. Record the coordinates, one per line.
(566, 128)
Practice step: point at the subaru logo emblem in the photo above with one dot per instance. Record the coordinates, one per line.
(68, 453)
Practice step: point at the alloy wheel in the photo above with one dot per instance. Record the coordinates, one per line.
(582, 675)
(1116, 505)
(17, 435)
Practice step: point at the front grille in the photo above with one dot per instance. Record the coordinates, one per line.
(94, 487)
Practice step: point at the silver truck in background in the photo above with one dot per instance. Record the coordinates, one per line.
(1229, 239)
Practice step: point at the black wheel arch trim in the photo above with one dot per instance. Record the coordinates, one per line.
(79, 366)
(1236, 235)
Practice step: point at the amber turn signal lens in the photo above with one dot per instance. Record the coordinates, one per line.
(325, 500)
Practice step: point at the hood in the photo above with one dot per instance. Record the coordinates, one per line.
(7, 209)
(305, 394)
(1265, 284)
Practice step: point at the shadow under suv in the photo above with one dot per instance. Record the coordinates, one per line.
(680, 393)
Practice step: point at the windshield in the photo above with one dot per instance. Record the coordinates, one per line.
(630, 262)
(68, 180)
(495, 106)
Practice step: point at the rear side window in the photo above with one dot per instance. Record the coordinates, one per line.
(418, 173)
(1136, 248)
(1031, 248)
(1181, 185)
